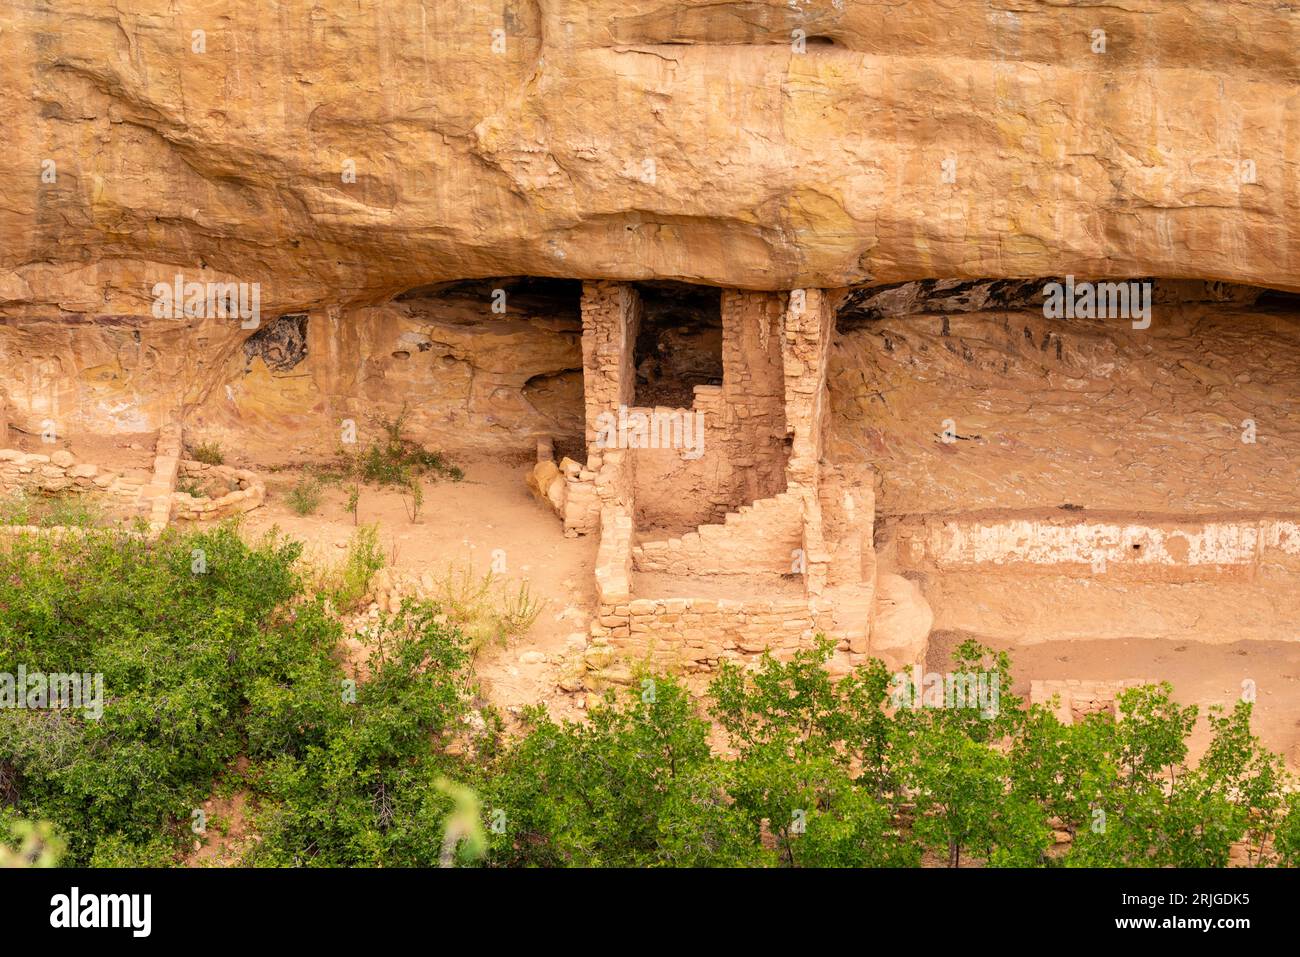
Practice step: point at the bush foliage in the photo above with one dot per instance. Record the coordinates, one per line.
(212, 650)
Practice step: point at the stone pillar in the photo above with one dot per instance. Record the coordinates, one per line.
(753, 387)
(805, 348)
(611, 316)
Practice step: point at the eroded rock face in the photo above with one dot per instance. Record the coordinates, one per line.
(1001, 409)
(338, 153)
(462, 376)
(872, 302)
(468, 377)
(1051, 479)
(901, 629)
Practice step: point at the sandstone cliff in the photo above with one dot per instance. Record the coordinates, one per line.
(755, 144)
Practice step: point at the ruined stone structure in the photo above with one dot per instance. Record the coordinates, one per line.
(214, 491)
(785, 551)
(1073, 699)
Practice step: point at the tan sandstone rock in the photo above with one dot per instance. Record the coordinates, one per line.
(636, 139)
(901, 630)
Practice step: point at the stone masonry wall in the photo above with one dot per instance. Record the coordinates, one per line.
(156, 497)
(771, 409)
(694, 634)
(1154, 550)
(753, 388)
(744, 451)
(614, 484)
(60, 472)
(756, 538)
(611, 315)
(805, 348)
(675, 489)
(245, 492)
(1076, 698)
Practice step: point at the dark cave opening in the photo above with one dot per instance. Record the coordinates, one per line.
(678, 344)
(865, 305)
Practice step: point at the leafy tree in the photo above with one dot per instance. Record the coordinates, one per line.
(1238, 770)
(1066, 769)
(814, 764)
(1286, 838)
(593, 794)
(963, 797)
(361, 779)
(176, 628)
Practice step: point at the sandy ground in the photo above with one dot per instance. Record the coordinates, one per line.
(463, 524)
(128, 454)
(1201, 674)
(227, 834)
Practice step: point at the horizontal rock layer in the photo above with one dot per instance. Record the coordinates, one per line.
(637, 139)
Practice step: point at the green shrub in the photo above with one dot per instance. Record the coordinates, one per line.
(74, 510)
(413, 498)
(209, 453)
(397, 460)
(484, 608)
(178, 652)
(65, 509)
(350, 582)
(304, 497)
(354, 500)
(16, 508)
(361, 782)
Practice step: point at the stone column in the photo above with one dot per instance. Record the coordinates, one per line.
(753, 388)
(611, 316)
(805, 347)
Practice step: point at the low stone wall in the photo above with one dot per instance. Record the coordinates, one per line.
(247, 492)
(614, 556)
(694, 634)
(60, 472)
(158, 500)
(568, 488)
(58, 532)
(1135, 547)
(1076, 698)
(156, 497)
